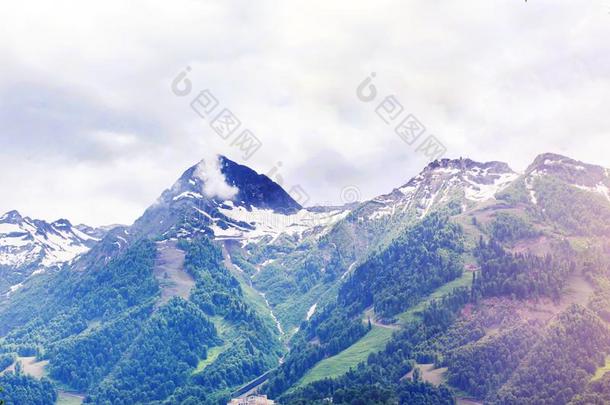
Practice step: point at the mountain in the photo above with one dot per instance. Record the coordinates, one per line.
(258, 208)
(547, 250)
(458, 184)
(31, 246)
(443, 181)
(163, 273)
(470, 274)
(583, 175)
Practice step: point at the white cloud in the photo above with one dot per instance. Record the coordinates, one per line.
(214, 182)
(90, 130)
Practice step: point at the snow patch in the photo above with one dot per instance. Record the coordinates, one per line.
(447, 170)
(187, 194)
(599, 188)
(349, 269)
(483, 192)
(28, 244)
(14, 288)
(551, 162)
(311, 311)
(277, 322)
(10, 228)
(266, 222)
(529, 186)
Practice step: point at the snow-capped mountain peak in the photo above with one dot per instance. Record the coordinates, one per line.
(226, 200)
(480, 181)
(444, 180)
(569, 170)
(31, 245)
(11, 217)
(585, 176)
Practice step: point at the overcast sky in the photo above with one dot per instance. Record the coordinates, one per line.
(90, 129)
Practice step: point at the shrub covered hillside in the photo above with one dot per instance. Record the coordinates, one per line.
(19, 389)
(561, 363)
(468, 283)
(104, 332)
(425, 257)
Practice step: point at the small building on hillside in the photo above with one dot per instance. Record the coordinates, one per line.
(252, 400)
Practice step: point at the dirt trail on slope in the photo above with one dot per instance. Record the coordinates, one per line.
(30, 366)
(578, 291)
(429, 374)
(169, 271)
(436, 376)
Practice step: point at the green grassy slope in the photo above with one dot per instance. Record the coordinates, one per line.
(375, 340)
(340, 364)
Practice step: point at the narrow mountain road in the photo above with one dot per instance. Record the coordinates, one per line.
(369, 314)
(385, 325)
(65, 397)
(467, 401)
(169, 271)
